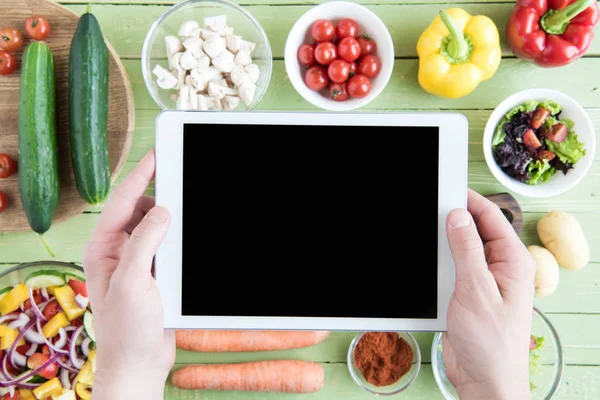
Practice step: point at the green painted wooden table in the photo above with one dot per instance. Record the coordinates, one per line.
(574, 308)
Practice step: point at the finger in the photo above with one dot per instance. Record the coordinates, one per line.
(466, 245)
(141, 247)
(144, 204)
(490, 221)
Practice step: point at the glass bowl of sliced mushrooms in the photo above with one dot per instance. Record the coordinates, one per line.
(207, 55)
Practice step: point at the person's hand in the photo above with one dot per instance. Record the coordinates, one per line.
(134, 353)
(486, 348)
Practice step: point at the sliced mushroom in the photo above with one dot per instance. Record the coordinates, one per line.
(203, 102)
(203, 62)
(193, 99)
(175, 60)
(247, 46)
(242, 58)
(230, 103)
(173, 45)
(214, 45)
(187, 28)
(201, 79)
(194, 46)
(224, 61)
(180, 72)
(206, 33)
(220, 81)
(216, 104)
(253, 72)
(183, 103)
(215, 23)
(233, 43)
(246, 91)
(219, 91)
(188, 80)
(228, 30)
(166, 80)
(241, 73)
(188, 61)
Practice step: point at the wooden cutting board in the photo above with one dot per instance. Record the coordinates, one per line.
(120, 110)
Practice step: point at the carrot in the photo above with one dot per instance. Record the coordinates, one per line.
(210, 340)
(289, 376)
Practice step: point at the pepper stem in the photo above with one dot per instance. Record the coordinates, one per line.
(457, 47)
(555, 22)
(47, 246)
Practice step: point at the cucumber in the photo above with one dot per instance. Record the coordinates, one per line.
(88, 110)
(88, 324)
(38, 151)
(71, 275)
(44, 279)
(5, 290)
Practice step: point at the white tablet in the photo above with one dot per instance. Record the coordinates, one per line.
(312, 221)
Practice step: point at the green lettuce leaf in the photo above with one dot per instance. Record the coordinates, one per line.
(539, 171)
(569, 151)
(535, 359)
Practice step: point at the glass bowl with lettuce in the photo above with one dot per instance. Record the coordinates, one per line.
(539, 142)
(546, 361)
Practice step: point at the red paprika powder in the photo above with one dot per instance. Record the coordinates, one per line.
(383, 357)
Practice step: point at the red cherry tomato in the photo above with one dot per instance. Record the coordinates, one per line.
(78, 287)
(37, 297)
(325, 53)
(352, 69)
(346, 28)
(338, 71)
(322, 30)
(15, 396)
(338, 92)
(22, 349)
(3, 201)
(37, 27)
(8, 166)
(306, 54)
(51, 309)
(367, 45)
(8, 64)
(316, 78)
(349, 49)
(37, 359)
(11, 39)
(359, 86)
(369, 66)
(45, 349)
(77, 322)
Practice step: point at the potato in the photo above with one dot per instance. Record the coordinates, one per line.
(546, 271)
(562, 234)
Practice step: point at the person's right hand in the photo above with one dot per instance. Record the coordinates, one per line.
(486, 348)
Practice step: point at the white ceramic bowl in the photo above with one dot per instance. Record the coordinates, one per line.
(559, 182)
(368, 23)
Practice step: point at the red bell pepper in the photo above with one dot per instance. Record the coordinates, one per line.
(552, 33)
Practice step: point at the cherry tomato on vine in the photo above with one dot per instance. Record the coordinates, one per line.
(369, 66)
(338, 71)
(8, 64)
(358, 86)
(346, 28)
(325, 53)
(349, 49)
(8, 165)
(306, 54)
(322, 30)
(11, 39)
(316, 78)
(338, 92)
(367, 45)
(37, 27)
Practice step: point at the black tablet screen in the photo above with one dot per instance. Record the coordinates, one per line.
(310, 221)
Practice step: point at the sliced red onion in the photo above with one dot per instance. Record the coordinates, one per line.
(12, 353)
(9, 317)
(19, 359)
(46, 341)
(74, 382)
(34, 337)
(11, 391)
(24, 318)
(32, 349)
(62, 339)
(64, 379)
(85, 346)
(70, 328)
(67, 366)
(82, 301)
(76, 361)
(44, 293)
(7, 375)
(35, 308)
(18, 380)
(16, 324)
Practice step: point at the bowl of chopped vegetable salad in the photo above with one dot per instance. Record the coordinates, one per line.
(47, 342)
(539, 142)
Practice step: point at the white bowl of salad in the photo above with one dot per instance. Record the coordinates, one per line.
(47, 342)
(539, 142)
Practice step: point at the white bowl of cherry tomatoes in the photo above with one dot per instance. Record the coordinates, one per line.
(339, 56)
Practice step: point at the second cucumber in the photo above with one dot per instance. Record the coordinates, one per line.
(88, 110)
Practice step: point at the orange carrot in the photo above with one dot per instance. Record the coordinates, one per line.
(209, 340)
(289, 376)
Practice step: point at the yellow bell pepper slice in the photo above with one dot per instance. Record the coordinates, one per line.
(48, 389)
(26, 394)
(13, 299)
(83, 391)
(66, 298)
(8, 337)
(457, 52)
(86, 375)
(50, 329)
(51, 290)
(65, 395)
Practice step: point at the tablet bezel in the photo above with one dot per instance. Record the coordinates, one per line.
(452, 193)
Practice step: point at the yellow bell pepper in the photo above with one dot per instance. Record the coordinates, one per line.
(83, 391)
(8, 337)
(66, 298)
(65, 395)
(457, 52)
(50, 329)
(26, 394)
(48, 389)
(86, 376)
(13, 299)
(51, 290)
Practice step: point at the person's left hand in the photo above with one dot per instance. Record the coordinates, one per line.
(134, 353)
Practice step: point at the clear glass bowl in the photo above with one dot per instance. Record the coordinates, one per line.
(244, 25)
(17, 274)
(547, 380)
(395, 388)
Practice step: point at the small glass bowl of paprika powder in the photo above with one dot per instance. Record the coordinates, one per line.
(384, 363)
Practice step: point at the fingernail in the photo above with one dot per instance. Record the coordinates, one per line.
(158, 215)
(459, 218)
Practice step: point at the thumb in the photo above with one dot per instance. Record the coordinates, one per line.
(465, 244)
(143, 243)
